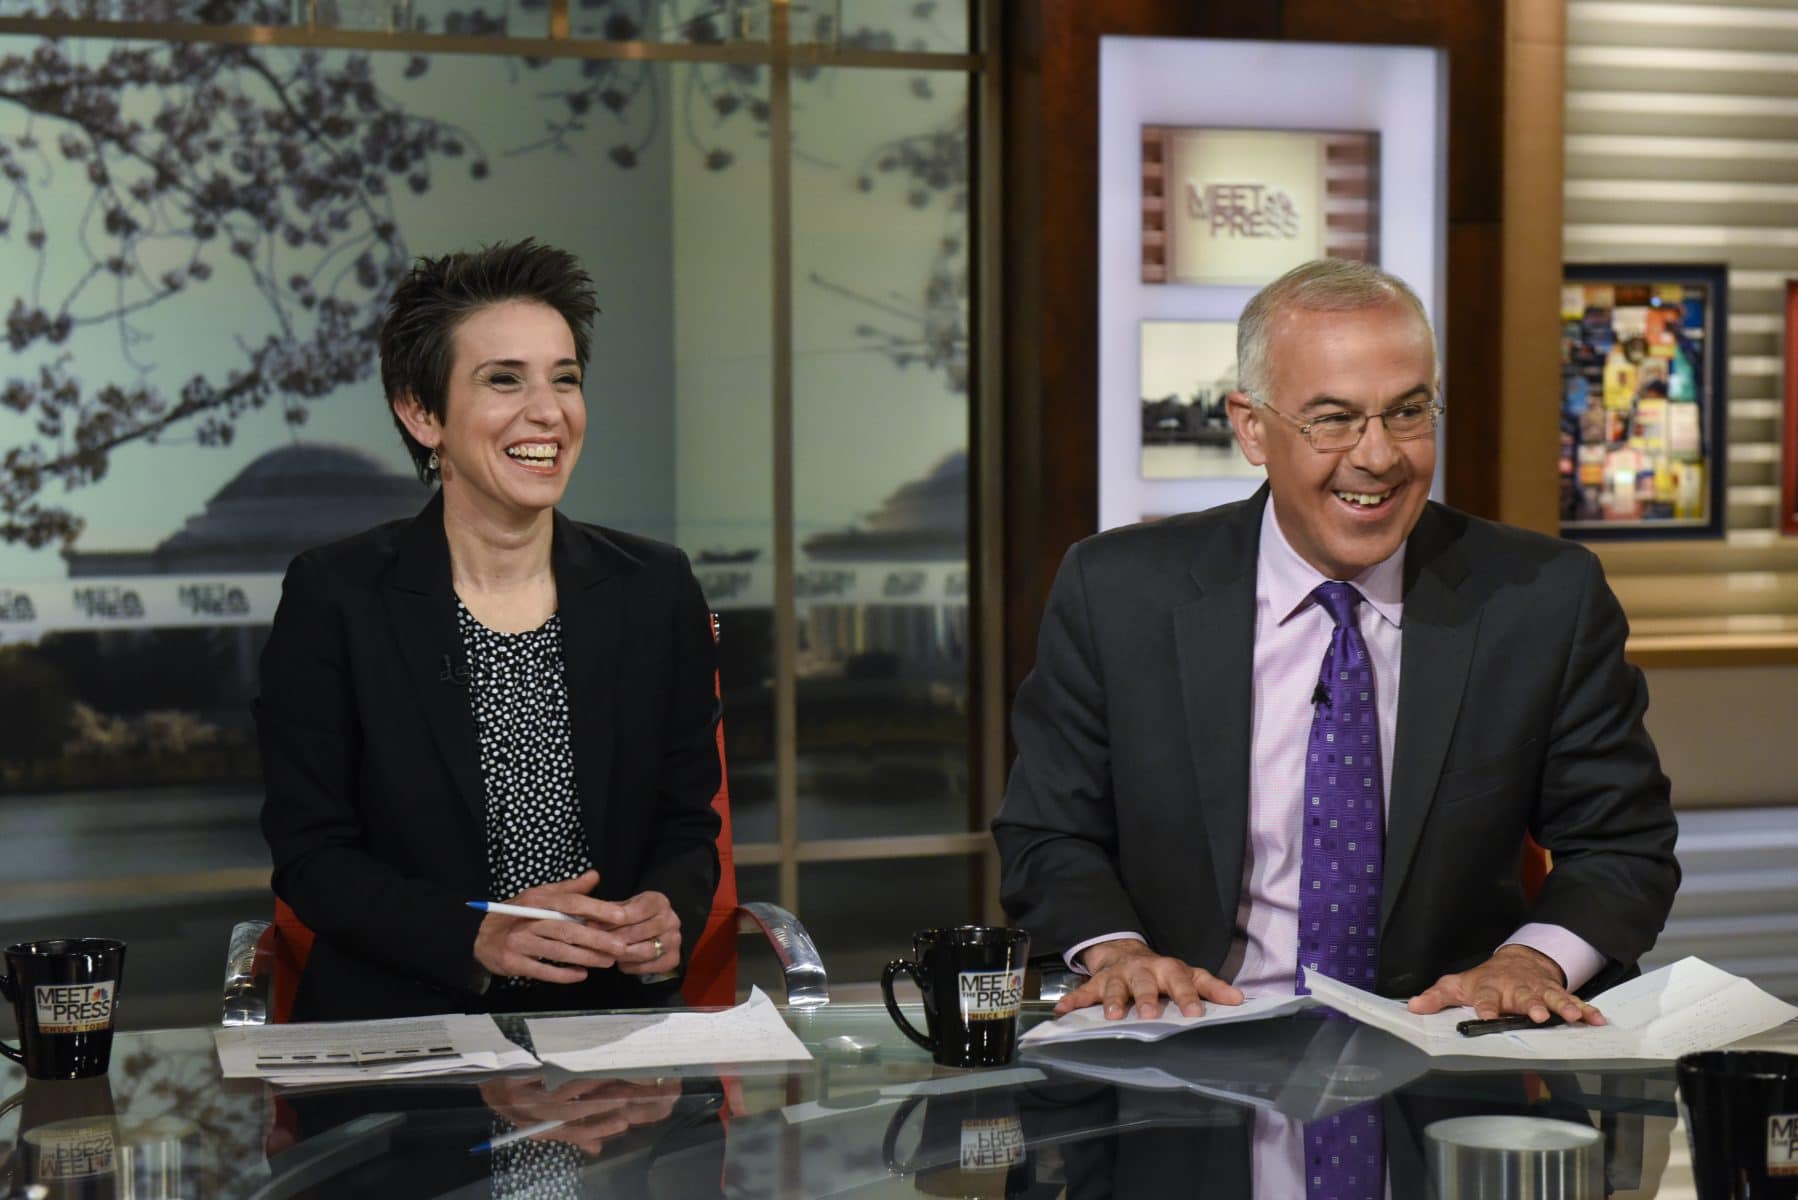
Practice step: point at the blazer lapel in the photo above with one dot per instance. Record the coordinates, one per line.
(1214, 636)
(1440, 628)
(591, 604)
(421, 608)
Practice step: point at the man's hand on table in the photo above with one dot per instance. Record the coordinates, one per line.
(1126, 972)
(1516, 980)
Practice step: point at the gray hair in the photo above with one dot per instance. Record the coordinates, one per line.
(1321, 285)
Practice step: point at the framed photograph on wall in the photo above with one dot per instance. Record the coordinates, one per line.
(1188, 369)
(1788, 492)
(1644, 354)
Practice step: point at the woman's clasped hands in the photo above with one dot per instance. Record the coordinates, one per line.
(639, 936)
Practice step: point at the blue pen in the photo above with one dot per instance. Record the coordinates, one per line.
(520, 910)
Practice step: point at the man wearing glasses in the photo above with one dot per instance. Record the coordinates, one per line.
(1312, 729)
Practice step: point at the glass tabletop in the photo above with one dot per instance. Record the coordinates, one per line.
(870, 1115)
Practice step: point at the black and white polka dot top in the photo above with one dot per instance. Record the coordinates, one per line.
(520, 698)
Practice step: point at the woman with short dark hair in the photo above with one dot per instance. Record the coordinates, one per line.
(490, 701)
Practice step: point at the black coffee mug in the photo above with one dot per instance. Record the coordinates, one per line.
(972, 978)
(64, 992)
(1741, 1113)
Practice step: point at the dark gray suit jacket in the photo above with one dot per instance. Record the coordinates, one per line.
(375, 808)
(1128, 803)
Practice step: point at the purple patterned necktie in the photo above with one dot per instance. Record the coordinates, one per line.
(1339, 888)
(1339, 880)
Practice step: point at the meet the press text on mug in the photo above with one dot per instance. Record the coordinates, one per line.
(991, 995)
(74, 1007)
(1782, 1144)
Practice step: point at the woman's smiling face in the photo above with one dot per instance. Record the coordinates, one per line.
(513, 414)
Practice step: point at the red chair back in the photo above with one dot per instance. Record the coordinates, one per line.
(1533, 869)
(711, 971)
(292, 946)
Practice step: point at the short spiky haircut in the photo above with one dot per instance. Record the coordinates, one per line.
(418, 337)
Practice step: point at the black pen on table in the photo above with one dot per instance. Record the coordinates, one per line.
(1506, 1024)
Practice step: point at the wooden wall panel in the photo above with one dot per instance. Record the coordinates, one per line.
(1473, 353)
(1529, 433)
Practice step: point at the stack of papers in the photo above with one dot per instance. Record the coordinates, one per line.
(1679, 1009)
(751, 1032)
(366, 1051)
(361, 1051)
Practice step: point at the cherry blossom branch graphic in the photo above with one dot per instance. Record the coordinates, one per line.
(279, 173)
(272, 174)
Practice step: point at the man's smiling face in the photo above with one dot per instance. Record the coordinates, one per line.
(1343, 511)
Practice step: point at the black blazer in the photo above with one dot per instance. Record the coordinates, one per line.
(375, 809)
(1128, 803)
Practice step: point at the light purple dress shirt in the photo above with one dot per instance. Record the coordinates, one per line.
(1291, 634)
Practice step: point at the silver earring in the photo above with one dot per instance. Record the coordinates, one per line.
(432, 463)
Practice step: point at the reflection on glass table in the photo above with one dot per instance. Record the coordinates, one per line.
(869, 1115)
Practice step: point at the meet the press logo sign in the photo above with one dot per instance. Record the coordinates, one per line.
(991, 995)
(1782, 1144)
(1244, 210)
(74, 1007)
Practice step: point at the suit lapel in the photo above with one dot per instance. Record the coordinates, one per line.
(591, 604)
(421, 609)
(1214, 636)
(1440, 629)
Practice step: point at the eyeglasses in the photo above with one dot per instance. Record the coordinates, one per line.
(1342, 430)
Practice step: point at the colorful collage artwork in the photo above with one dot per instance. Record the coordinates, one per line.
(1641, 387)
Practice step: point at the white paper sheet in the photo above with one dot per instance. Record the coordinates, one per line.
(1087, 1024)
(753, 1031)
(344, 1051)
(1678, 1009)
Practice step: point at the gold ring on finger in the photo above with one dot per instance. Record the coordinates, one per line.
(656, 943)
